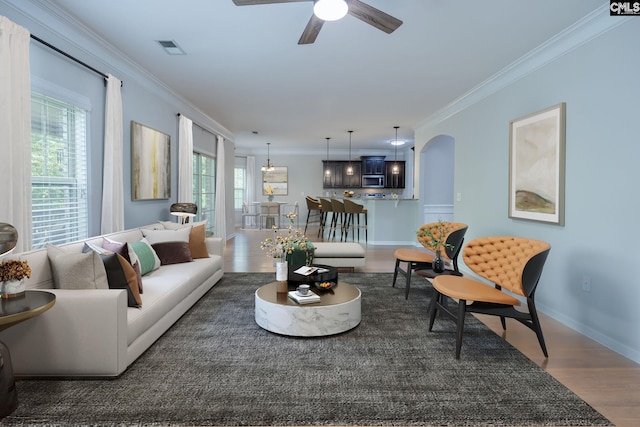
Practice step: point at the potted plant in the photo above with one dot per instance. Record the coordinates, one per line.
(435, 238)
(270, 192)
(12, 275)
(292, 246)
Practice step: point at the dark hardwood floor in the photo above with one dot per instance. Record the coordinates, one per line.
(607, 381)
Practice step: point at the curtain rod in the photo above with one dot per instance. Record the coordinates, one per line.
(61, 52)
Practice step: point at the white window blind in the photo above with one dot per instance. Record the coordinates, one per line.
(204, 189)
(59, 171)
(239, 185)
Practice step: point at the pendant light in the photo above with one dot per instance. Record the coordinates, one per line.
(330, 10)
(268, 167)
(350, 167)
(327, 170)
(395, 170)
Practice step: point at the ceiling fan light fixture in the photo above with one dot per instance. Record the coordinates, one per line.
(330, 10)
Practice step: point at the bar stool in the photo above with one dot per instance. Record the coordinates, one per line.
(354, 210)
(326, 208)
(314, 214)
(339, 219)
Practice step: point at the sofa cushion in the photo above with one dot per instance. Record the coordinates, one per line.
(143, 253)
(197, 243)
(172, 252)
(120, 273)
(157, 236)
(76, 270)
(166, 286)
(124, 249)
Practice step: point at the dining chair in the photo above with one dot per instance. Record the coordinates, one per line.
(270, 212)
(248, 212)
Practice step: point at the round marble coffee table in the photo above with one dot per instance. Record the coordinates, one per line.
(335, 313)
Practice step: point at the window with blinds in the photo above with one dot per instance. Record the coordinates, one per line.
(59, 171)
(204, 189)
(239, 185)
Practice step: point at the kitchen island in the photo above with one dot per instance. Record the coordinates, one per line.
(391, 221)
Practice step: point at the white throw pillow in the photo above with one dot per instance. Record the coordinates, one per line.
(168, 225)
(160, 236)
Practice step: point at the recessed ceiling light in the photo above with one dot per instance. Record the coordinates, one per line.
(171, 47)
(397, 142)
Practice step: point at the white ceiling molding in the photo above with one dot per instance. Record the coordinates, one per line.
(590, 27)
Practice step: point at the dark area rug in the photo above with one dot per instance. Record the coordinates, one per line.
(215, 366)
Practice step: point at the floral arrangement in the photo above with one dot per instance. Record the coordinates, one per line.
(434, 237)
(14, 270)
(282, 244)
(269, 190)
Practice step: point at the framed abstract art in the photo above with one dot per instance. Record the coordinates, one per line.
(536, 165)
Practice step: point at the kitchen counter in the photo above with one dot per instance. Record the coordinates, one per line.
(391, 221)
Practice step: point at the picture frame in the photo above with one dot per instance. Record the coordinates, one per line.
(150, 163)
(537, 165)
(277, 179)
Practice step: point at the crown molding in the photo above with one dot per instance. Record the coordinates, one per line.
(66, 30)
(583, 31)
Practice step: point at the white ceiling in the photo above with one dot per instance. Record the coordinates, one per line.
(244, 67)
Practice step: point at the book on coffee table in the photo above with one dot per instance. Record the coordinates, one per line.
(309, 298)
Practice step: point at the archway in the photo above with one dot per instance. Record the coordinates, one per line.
(437, 170)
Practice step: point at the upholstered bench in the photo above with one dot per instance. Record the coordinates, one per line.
(339, 254)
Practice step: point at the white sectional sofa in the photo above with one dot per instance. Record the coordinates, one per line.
(93, 332)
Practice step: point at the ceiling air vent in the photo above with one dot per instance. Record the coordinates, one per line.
(171, 47)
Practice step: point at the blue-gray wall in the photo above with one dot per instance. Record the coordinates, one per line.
(597, 78)
(145, 100)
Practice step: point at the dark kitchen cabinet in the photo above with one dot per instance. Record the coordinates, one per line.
(372, 165)
(337, 176)
(392, 180)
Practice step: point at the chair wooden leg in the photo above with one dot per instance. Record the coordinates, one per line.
(433, 309)
(408, 285)
(395, 273)
(462, 308)
(536, 325)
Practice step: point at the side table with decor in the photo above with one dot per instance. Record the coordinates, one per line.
(13, 311)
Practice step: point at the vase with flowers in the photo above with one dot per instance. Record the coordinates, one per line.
(270, 191)
(291, 245)
(12, 275)
(435, 238)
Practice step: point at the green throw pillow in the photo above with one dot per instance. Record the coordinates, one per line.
(146, 257)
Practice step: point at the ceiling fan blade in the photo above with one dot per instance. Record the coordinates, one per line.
(311, 30)
(373, 16)
(252, 2)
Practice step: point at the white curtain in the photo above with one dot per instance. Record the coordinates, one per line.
(185, 160)
(15, 130)
(251, 179)
(221, 220)
(112, 170)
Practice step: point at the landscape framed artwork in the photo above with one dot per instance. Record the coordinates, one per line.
(277, 179)
(536, 165)
(150, 163)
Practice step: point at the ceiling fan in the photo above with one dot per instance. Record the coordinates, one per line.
(356, 8)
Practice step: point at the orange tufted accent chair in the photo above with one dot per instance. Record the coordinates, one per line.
(418, 259)
(510, 263)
